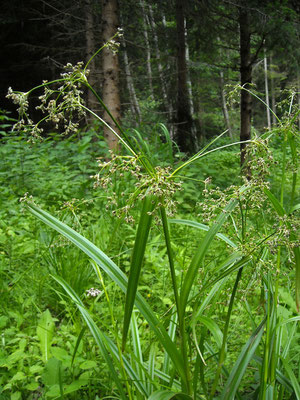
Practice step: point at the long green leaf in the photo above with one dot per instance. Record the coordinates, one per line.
(80, 336)
(137, 350)
(142, 388)
(137, 261)
(280, 377)
(202, 227)
(114, 272)
(241, 364)
(275, 203)
(294, 380)
(213, 327)
(151, 368)
(200, 253)
(296, 251)
(171, 333)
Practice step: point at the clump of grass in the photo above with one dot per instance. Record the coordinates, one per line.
(191, 341)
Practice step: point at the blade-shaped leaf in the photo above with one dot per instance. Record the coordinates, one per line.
(241, 364)
(137, 260)
(137, 350)
(275, 203)
(202, 227)
(293, 379)
(200, 253)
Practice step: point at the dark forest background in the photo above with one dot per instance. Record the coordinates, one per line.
(175, 60)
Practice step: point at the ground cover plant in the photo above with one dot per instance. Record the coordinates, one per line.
(168, 286)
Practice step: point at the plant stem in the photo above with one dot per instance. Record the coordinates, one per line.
(222, 353)
(181, 322)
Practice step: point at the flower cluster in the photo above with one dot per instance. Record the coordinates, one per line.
(20, 99)
(160, 184)
(61, 102)
(113, 45)
(92, 292)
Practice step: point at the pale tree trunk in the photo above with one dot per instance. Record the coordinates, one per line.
(134, 104)
(110, 70)
(187, 57)
(224, 105)
(273, 97)
(167, 104)
(185, 133)
(246, 79)
(267, 89)
(90, 49)
(148, 50)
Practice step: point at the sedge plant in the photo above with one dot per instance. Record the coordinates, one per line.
(190, 347)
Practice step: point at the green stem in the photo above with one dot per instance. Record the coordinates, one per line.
(222, 354)
(181, 322)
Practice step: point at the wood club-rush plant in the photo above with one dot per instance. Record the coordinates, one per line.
(187, 358)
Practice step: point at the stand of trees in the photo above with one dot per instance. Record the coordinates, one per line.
(174, 62)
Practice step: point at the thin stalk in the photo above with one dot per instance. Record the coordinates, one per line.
(222, 354)
(170, 254)
(262, 101)
(262, 394)
(127, 142)
(201, 154)
(98, 51)
(181, 322)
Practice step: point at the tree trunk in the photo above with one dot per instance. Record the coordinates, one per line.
(273, 97)
(148, 50)
(267, 89)
(224, 105)
(134, 104)
(187, 58)
(90, 49)
(246, 79)
(185, 138)
(110, 70)
(166, 102)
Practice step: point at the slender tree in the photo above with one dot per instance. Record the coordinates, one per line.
(185, 130)
(246, 77)
(110, 70)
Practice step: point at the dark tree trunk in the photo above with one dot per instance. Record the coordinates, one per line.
(90, 49)
(184, 121)
(110, 69)
(246, 78)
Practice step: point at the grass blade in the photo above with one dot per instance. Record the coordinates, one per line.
(293, 379)
(151, 367)
(200, 253)
(171, 333)
(275, 203)
(202, 227)
(137, 350)
(137, 261)
(241, 364)
(80, 336)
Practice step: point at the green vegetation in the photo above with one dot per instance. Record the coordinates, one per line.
(149, 276)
